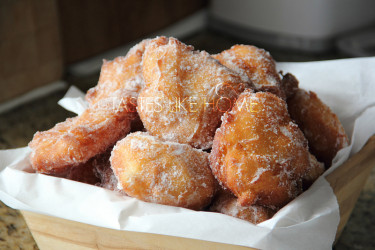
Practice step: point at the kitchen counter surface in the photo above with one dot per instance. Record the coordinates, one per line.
(18, 126)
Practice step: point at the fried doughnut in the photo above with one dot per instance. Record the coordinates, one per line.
(108, 179)
(255, 64)
(163, 172)
(103, 171)
(226, 203)
(322, 128)
(259, 153)
(76, 140)
(316, 169)
(185, 93)
(289, 84)
(124, 72)
(84, 173)
(96, 171)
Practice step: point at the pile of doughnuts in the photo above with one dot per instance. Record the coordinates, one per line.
(171, 125)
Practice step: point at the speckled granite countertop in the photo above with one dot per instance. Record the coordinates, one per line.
(18, 126)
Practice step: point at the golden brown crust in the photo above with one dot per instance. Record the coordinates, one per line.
(163, 172)
(174, 74)
(111, 113)
(76, 140)
(255, 64)
(259, 153)
(322, 128)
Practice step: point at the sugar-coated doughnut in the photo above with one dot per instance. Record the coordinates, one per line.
(186, 92)
(322, 128)
(259, 153)
(226, 203)
(76, 140)
(163, 172)
(254, 64)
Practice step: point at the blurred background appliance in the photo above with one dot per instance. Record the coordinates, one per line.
(45, 41)
(311, 26)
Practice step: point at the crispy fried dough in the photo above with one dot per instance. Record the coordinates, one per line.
(163, 172)
(322, 128)
(185, 93)
(76, 140)
(259, 153)
(255, 64)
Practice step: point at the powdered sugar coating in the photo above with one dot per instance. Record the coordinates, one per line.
(76, 140)
(226, 203)
(322, 128)
(124, 72)
(163, 172)
(185, 93)
(254, 64)
(259, 153)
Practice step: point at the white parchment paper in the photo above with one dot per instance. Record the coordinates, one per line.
(308, 222)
